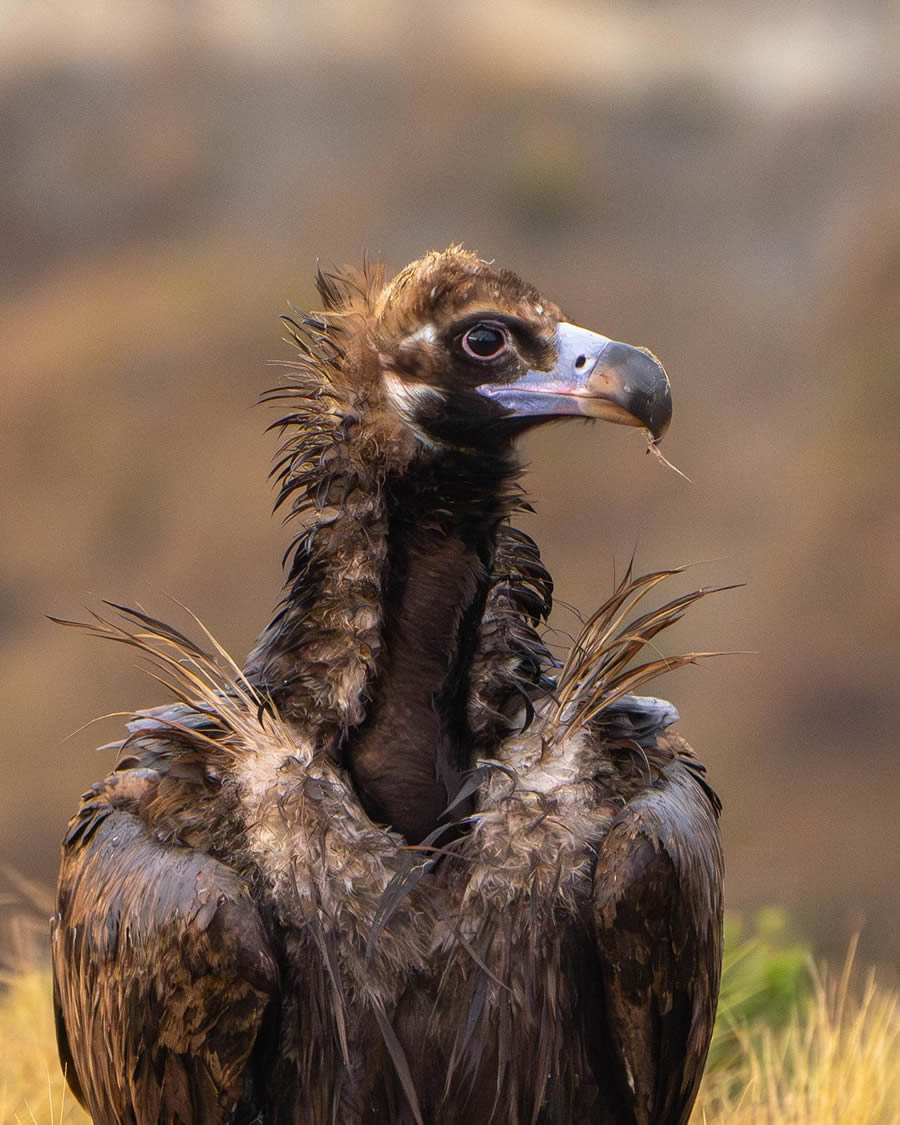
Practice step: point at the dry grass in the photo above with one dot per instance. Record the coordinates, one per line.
(833, 1063)
(32, 1088)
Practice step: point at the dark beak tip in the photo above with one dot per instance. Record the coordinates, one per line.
(652, 401)
(661, 416)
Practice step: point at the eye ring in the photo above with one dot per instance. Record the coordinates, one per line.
(485, 342)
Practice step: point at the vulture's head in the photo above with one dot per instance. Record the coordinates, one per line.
(469, 354)
(454, 354)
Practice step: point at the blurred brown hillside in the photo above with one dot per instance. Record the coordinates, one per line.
(720, 185)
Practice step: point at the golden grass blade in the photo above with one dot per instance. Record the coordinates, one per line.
(653, 447)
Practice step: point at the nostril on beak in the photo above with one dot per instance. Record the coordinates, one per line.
(581, 361)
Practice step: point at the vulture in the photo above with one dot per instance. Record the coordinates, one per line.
(404, 866)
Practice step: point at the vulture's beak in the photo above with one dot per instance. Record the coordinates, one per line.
(595, 377)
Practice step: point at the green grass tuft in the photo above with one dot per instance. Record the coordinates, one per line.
(765, 980)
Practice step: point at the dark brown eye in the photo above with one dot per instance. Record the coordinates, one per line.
(485, 341)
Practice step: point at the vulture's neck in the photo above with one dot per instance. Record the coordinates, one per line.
(371, 652)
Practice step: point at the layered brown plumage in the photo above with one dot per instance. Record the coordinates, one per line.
(401, 867)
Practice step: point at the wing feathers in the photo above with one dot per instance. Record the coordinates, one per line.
(162, 973)
(657, 918)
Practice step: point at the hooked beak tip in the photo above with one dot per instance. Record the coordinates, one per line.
(633, 381)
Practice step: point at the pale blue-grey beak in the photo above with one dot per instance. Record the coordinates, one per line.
(595, 377)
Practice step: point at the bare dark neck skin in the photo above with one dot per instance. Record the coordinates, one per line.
(408, 757)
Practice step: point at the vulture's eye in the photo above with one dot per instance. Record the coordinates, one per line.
(485, 341)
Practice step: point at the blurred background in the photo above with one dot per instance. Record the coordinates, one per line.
(718, 183)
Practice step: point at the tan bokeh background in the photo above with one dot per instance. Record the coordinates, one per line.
(714, 182)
